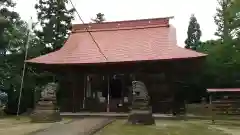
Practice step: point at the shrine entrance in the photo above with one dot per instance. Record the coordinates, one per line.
(118, 93)
(107, 93)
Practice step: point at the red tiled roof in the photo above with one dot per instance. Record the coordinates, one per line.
(135, 40)
(224, 90)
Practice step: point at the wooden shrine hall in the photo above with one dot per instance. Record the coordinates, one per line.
(98, 62)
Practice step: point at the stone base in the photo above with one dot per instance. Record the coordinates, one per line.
(2, 113)
(141, 118)
(45, 116)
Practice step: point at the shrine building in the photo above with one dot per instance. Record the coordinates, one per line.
(98, 62)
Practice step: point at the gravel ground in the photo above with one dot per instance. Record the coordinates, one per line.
(77, 127)
(11, 126)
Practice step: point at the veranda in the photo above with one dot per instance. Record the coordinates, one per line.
(107, 87)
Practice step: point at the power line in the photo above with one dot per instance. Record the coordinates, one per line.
(95, 42)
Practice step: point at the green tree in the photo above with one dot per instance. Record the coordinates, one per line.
(223, 60)
(235, 13)
(194, 34)
(10, 25)
(55, 20)
(224, 19)
(99, 18)
(13, 37)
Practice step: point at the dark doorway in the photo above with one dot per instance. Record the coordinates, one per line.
(116, 87)
(116, 93)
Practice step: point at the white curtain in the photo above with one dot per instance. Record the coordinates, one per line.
(89, 92)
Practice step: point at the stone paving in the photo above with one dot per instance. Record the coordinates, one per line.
(76, 127)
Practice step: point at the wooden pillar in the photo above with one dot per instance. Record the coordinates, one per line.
(66, 94)
(123, 86)
(169, 74)
(72, 83)
(211, 109)
(79, 92)
(77, 88)
(84, 91)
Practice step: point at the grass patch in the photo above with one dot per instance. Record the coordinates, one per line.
(162, 127)
(228, 124)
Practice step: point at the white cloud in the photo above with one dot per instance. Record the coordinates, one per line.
(114, 10)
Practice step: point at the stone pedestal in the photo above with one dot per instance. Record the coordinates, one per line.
(141, 117)
(45, 110)
(141, 112)
(2, 113)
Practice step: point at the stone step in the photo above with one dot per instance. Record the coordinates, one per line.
(45, 108)
(140, 111)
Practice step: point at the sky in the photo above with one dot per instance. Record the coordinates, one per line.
(117, 10)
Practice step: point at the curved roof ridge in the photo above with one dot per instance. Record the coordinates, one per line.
(164, 22)
(120, 28)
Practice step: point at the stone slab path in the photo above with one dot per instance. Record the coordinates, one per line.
(76, 127)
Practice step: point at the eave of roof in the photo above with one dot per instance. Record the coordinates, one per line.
(223, 90)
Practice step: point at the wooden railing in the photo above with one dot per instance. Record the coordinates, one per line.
(226, 107)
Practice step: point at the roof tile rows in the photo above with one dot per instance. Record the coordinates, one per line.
(137, 40)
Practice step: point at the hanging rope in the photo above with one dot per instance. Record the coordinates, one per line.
(24, 66)
(99, 49)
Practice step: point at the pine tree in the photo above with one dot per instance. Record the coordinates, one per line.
(223, 20)
(55, 19)
(99, 18)
(235, 14)
(194, 34)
